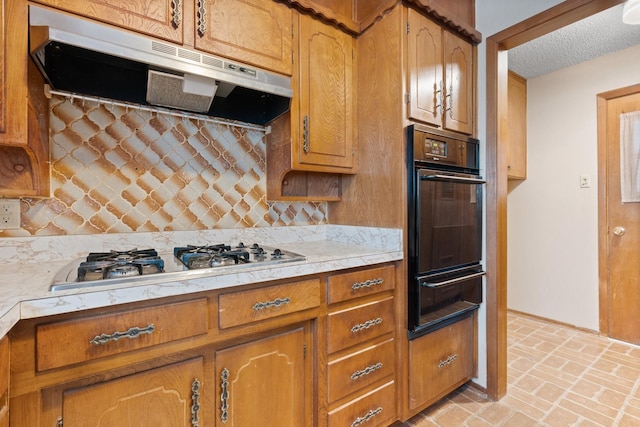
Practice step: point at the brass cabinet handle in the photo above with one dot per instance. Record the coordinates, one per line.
(366, 417)
(134, 332)
(449, 360)
(176, 12)
(195, 405)
(202, 17)
(305, 134)
(269, 304)
(366, 325)
(450, 101)
(438, 98)
(367, 283)
(224, 395)
(366, 371)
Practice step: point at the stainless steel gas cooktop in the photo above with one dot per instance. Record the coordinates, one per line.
(114, 267)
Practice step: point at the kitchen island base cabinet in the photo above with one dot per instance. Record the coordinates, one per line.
(167, 396)
(265, 382)
(440, 362)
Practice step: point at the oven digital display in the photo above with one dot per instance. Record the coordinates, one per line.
(435, 147)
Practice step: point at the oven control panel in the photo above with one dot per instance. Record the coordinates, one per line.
(435, 147)
(445, 148)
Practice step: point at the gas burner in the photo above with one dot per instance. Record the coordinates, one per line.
(221, 255)
(117, 267)
(116, 264)
(125, 256)
(195, 257)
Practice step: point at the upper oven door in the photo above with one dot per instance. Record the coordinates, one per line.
(448, 220)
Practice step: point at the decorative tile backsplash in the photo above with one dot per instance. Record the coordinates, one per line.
(117, 170)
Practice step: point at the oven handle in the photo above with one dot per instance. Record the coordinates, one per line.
(456, 280)
(458, 179)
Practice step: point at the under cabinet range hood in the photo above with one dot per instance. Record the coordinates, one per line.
(87, 58)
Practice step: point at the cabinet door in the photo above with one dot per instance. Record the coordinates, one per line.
(4, 382)
(257, 32)
(159, 18)
(517, 136)
(426, 82)
(13, 74)
(326, 122)
(24, 143)
(441, 361)
(164, 396)
(458, 60)
(263, 382)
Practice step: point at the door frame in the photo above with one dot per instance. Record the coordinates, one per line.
(603, 215)
(497, 47)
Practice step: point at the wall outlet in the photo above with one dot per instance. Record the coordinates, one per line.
(9, 213)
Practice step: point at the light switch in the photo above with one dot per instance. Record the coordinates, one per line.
(585, 181)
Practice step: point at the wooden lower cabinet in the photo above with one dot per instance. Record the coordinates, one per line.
(376, 408)
(360, 370)
(269, 355)
(264, 382)
(165, 396)
(4, 382)
(440, 362)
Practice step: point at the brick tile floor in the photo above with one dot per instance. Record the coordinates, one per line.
(557, 377)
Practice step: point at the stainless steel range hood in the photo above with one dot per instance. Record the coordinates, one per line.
(87, 58)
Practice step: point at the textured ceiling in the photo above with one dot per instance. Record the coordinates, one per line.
(590, 38)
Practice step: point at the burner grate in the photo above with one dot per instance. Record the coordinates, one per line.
(117, 264)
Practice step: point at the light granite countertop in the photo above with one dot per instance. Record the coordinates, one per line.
(28, 265)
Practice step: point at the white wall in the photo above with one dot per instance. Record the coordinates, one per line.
(552, 234)
(493, 16)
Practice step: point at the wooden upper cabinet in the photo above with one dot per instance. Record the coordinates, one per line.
(517, 129)
(159, 18)
(24, 118)
(426, 80)
(440, 67)
(258, 32)
(458, 78)
(323, 121)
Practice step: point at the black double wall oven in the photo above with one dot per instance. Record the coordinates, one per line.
(444, 228)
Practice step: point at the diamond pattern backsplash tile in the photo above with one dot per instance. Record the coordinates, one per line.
(117, 169)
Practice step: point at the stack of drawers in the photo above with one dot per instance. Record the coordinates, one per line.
(360, 348)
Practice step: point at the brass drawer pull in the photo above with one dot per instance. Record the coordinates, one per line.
(134, 332)
(224, 395)
(366, 325)
(176, 12)
(366, 417)
(269, 304)
(449, 360)
(195, 405)
(366, 371)
(367, 283)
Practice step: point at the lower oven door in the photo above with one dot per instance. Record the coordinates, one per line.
(440, 299)
(448, 220)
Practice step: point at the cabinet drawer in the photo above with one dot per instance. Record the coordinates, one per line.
(78, 340)
(241, 307)
(440, 361)
(358, 324)
(376, 408)
(343, 287)
(357, 370)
